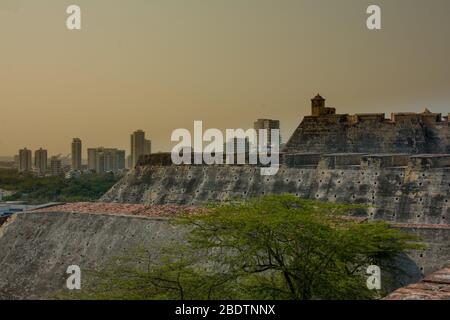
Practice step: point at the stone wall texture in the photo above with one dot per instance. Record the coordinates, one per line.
(409, 133)
(397, 188)
(38, 247)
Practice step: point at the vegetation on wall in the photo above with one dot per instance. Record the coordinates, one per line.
(88, 187)
(274, 247)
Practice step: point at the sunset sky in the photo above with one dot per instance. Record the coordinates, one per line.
(158, 65)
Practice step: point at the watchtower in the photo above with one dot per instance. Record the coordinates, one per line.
(318, 107)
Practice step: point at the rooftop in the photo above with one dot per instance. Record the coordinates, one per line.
(123, 209)
(430, 156)
(434, 287)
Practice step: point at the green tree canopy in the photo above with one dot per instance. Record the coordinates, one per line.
(274, 247)
(36, 190)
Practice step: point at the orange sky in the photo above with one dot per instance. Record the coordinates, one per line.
(158, 65)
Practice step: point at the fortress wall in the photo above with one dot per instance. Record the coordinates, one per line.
(37, 248)
(436, 255)
(438, 134)
(429, 161)
(369, 134)
(302, 159)
(416, 193)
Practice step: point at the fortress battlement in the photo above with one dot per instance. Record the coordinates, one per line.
(325, 131)
(426, 118)
(366, 161)
(319, 112)
(331, 160)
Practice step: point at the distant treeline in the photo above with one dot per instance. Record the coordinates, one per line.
(6, 164)
(88, 187)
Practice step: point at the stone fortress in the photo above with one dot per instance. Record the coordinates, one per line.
(398, 167)
(411, 133)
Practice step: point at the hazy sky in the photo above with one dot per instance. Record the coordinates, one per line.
(158, 65)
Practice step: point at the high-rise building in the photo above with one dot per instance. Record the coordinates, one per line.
(16, 161)
(100, 161)
(56, 168)
(139, 146)
(91, 158)
(120, 159)
(129, 161)
(40, 161)
(103, 160)
(25, 160)
(110, 160)
(267, 124)
(76, 154)
(147, 146)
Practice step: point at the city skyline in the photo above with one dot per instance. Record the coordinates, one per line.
(158, 66)
(78, 157)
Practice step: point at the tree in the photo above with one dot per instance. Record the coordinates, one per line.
(37, 190)
(274, 247)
